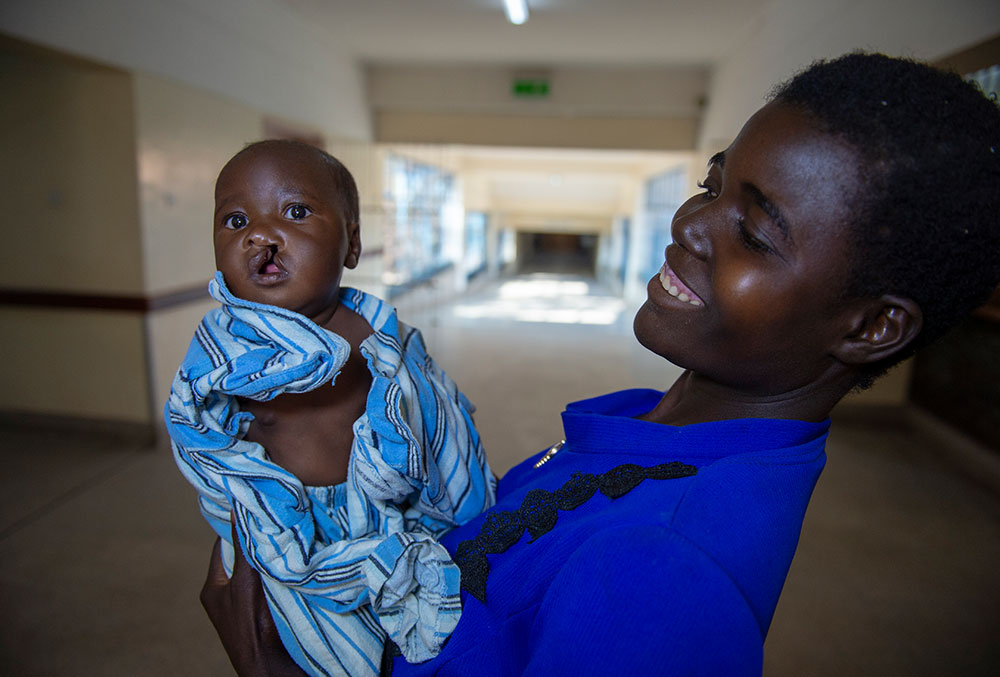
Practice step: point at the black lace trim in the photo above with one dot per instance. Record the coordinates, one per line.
(540, 509)
(389, 652)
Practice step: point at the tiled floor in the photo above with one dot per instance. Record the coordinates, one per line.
(102, 550)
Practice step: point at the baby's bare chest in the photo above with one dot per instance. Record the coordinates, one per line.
(311, 434)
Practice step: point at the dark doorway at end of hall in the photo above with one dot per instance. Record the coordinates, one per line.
(566, 253)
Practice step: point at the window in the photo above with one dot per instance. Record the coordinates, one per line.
(475, 243)
(664, 195)
(418, 195)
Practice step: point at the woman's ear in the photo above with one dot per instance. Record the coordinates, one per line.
(353, 246)
(879, 328)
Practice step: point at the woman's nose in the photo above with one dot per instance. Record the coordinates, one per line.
(691, 228)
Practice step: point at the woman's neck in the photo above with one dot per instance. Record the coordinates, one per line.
(696, 399)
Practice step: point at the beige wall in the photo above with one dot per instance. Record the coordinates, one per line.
(68, 183)
(183, 137)
(88, 364)
(67, 176)
(637, 133)
(632, 91)
(634, 107)
(797, 32)
(366, 163)
(262, 54)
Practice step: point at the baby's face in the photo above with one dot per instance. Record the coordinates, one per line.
(280, 236)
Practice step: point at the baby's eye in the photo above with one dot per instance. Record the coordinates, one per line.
(236, 221)
(297, 212)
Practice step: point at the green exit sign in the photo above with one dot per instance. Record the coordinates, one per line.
(531, 88)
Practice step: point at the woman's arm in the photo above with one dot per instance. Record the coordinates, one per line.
(238, 610)
(643, 601)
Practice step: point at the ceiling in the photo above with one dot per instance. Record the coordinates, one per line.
(573, 33)
(558, 32)
(584, 34)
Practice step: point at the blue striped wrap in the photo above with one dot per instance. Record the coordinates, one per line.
(342, 566)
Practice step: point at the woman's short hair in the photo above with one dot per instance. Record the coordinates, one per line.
(927, 219)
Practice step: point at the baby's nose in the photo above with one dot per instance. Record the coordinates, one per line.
(262, 235)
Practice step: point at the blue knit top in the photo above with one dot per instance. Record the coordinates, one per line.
(666, 554)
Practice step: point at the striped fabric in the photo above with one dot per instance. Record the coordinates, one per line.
(342, 566)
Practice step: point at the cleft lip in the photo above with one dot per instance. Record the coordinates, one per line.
(264, 265)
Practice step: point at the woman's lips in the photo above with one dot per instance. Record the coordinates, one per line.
(672, 284)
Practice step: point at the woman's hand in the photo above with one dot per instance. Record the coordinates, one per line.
(238, 610)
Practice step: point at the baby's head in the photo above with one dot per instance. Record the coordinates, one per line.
(286, 225)
(926, 224)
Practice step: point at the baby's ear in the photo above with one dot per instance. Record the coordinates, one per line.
(879, 328)
(353, 246)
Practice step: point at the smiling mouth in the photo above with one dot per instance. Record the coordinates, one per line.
(673, 286)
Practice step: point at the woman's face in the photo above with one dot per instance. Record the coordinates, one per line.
(749, 295)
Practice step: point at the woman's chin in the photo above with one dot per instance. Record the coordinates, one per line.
(650, 334)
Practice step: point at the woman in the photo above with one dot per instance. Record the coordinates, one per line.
(852, 220)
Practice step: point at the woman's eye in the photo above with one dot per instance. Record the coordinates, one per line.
(235, 221)
(297, 212)
(709, 191)
(751, 241)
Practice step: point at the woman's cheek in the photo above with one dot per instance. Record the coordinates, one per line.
(745, 299)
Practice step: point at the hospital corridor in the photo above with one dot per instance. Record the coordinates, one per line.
(517, 184)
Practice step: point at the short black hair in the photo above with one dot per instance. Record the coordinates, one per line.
(927, 226)
(343, 181)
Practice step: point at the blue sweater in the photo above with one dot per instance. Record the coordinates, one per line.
(678, 575)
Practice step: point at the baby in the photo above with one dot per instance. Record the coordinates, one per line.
(316, 428)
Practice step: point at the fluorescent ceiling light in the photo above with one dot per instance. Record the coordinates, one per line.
(516, 10)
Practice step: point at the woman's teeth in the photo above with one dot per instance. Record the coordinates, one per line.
(670, 285)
